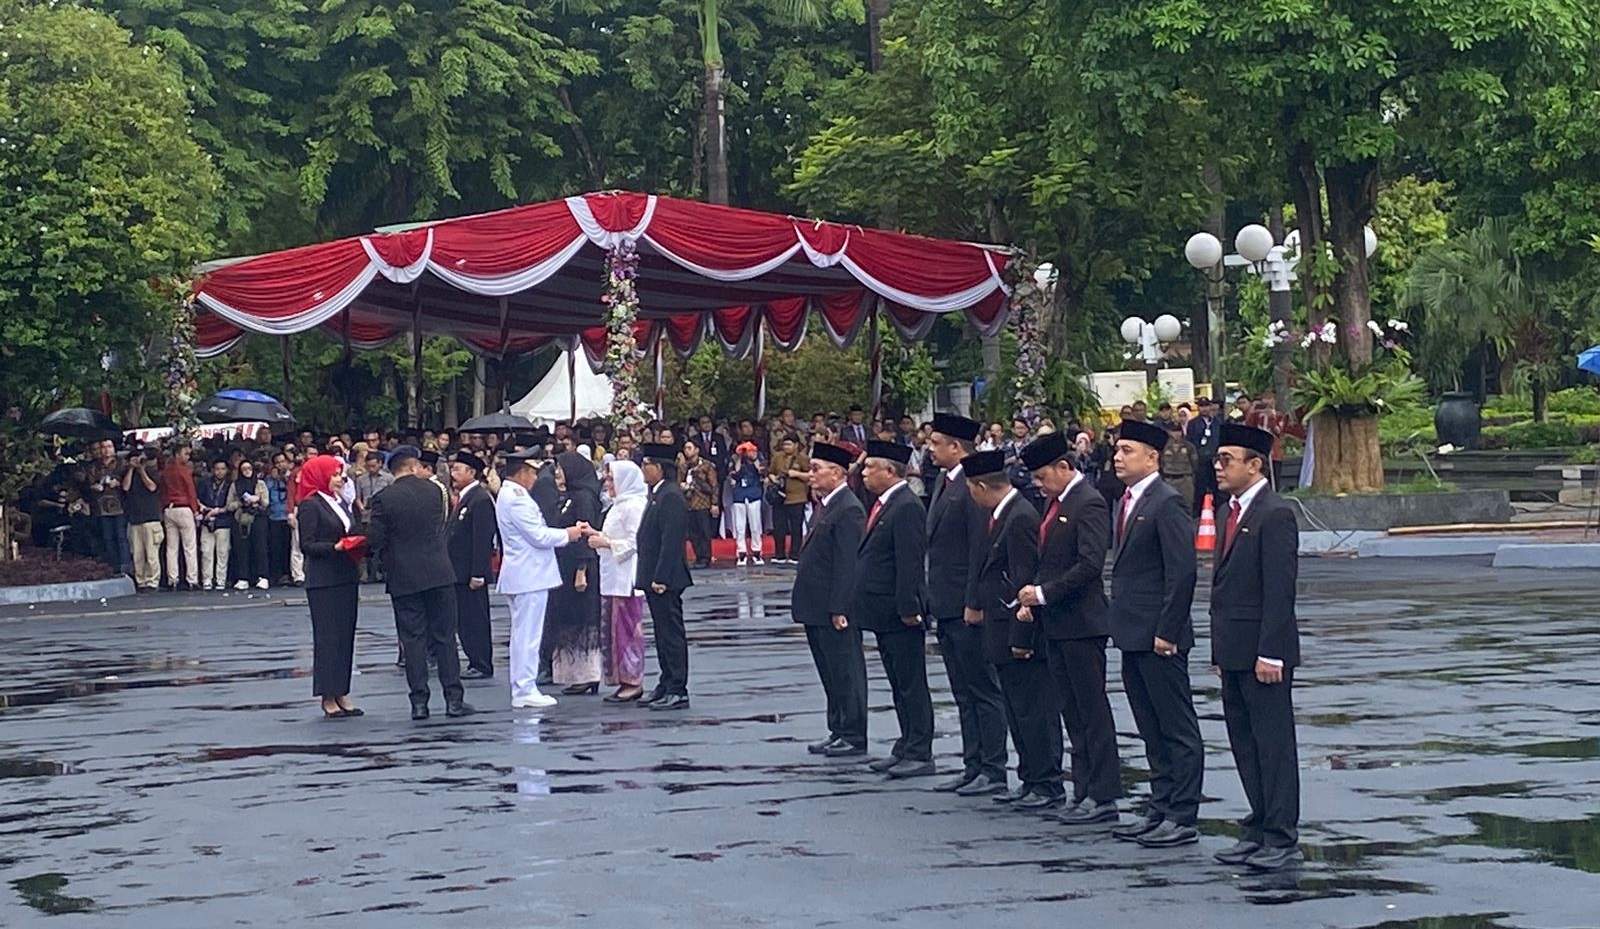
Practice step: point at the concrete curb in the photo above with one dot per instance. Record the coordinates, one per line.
(1348, 541)
(1551, 556)
(121, 586)
(1436, 546)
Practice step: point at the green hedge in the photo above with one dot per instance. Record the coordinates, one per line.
(1535, 435)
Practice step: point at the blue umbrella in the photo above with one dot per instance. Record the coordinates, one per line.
(1589, 360)
(232, 405)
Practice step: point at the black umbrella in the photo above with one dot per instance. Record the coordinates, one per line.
(503, 421)
(82, 423)
(242, 406)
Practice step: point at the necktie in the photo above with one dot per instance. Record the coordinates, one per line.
(1232, 529)
(1049, 517)
(873, 516)
(991, 525)
(1127, 510)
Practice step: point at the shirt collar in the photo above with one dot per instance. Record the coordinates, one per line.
(828, 500)
(1012, 495)
(1249, 496)
(884, 497)
(953, 474)
(1137, 490)
(1076, 477)
(468, 489)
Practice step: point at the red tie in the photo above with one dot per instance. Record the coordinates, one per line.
(1049, 517)
(1232, 528)
(1127, 510)
(873, 516)
(991, 525)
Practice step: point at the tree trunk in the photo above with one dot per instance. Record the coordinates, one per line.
(452, 410)
(1541, 399)
(1352, 197)
(1306, 183)
(1347, 458)
(714, 102)
(877, 12)
(1200, 319)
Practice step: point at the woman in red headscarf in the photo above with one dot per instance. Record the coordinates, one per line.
(332, 582)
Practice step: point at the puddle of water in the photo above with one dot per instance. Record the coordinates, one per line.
(46, 893)
(31, 767)
(108, 682)
(1509, 789)
(1292, 887)
(1463, 921)
(1568, 843)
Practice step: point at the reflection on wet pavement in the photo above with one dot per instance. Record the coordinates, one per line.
(170, 769)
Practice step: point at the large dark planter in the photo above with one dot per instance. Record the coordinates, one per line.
(1458, 420)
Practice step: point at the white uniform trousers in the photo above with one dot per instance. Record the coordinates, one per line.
(527, 629)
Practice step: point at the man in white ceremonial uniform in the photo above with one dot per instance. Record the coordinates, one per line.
(528, 571)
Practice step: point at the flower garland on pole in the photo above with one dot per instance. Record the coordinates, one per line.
(1028, 306)
(179, 364)
(621, 365)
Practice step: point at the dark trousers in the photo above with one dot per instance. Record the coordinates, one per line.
(1078, 667)
(114, 547)
(472, 625)
(700, 535)
(1260, 720)
(426, 623)
(1163, 709)
(788, 525)
(1205, 482)
(906, 668)
(249, 552)
(979, 704)
(333, 637)
(278, 537)
(672, 640)
(1034, 715)
(843, 670)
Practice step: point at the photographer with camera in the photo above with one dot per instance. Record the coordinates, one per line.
(141, 505)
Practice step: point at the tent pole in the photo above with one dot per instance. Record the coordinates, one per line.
(480, 380)
(416, 362)
(572, 385)
(761, 372)
(661, 383)
(283, 348)
(877, 366)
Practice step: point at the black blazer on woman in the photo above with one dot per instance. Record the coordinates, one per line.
(320, 528)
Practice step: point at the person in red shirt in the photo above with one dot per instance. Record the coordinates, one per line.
(297, 558)
(1267, 417)
(179, 506)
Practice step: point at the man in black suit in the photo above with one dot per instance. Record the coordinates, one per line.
(1152, 589)
(855, 430)
(408, 532)
(1013, 641)
(472, 533)
(1255, 646)
(713, 447)
(663, 574)
(823, 586)
(1067, 596)
(1205, 433)
(956, 538)
(888, 602)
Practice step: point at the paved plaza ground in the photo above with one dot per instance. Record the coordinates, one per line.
(162, 763)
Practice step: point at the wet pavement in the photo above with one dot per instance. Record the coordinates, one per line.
(163, 764)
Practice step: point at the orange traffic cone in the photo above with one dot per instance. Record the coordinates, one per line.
(1205, 539)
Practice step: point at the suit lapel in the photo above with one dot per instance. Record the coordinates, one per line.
(1139, 507)
(1247, 526)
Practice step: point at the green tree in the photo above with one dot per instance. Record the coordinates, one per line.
(104, 195)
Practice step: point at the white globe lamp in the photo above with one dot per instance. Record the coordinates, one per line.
(1203, 251)
(1168, 328)
(1132, 329)
(1253, 242)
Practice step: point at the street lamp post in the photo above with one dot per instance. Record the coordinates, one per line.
(1150, 337)
(1257, 252)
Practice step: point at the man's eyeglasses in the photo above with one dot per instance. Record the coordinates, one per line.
(1225, 460)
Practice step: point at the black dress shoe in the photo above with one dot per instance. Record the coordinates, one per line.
(883, 764)
(981, 786)
(459, 708)
(821, 748)
(671, 702)
(1169, 835)
(1090, 812)
(1130, 832)
(955, 783)
(1276, 859)
(419, 711)
(909, 768)
(477, 674)
(843, 749)
(653, 697)
(1238, 853)
(1039, 803)
(1012, 796)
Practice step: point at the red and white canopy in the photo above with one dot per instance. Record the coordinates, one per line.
(510, 281)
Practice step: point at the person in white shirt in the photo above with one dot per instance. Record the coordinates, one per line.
(528, 572)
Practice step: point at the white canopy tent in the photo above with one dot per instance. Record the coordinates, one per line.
(570, 391)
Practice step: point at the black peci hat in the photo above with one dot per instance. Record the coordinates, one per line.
(1256, 440)
(978, 464)
(664, 455)
(956, 427)
(1136, 431)
(822, 451)
(890, 450)
(1044, 451)
(469, 459)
